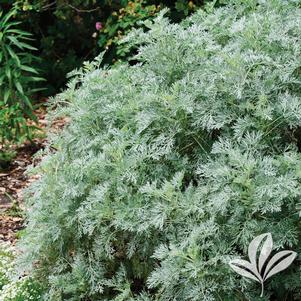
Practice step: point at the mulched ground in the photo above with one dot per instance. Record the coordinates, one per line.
(14, 179)
(9, 227)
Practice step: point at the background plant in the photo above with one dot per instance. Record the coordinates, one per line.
(65, 33)
(121, 22)
(17, 81)
(168, 168)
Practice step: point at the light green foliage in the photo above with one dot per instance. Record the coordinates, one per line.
(16, 79)
(13, 288)
(169, 168)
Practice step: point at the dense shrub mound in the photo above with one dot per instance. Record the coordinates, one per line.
(170, 167)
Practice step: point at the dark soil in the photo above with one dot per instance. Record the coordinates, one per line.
(13, 179)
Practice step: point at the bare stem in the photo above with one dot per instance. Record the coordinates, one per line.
(262, 288)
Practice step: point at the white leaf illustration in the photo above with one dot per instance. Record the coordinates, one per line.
(246, 269)
(278, 262)
(265, 251)
(253, 247)
(289, 257)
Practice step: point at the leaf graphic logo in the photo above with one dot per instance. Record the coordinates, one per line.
(260, 268)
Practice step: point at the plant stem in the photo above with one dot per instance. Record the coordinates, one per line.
(262, 288)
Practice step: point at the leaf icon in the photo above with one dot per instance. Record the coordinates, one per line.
(246, 269)
(284, 259)
(254, 269)
(265, 251)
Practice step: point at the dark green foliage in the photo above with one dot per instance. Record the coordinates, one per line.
(6, 156)
(16, 73)
(66, 36)
(131, 16)
(119, 24)
(17, 82)
(170, 167)
(63, 32)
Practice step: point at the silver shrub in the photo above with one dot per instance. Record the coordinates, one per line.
(168, 168)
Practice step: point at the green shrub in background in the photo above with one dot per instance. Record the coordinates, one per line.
(169, 168)
(65, 31)
(17, 81)
(16, 74)
(13, 288)
(121, 22)
(13, 128)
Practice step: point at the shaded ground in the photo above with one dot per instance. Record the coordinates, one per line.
(12, 182)
(9, 227)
